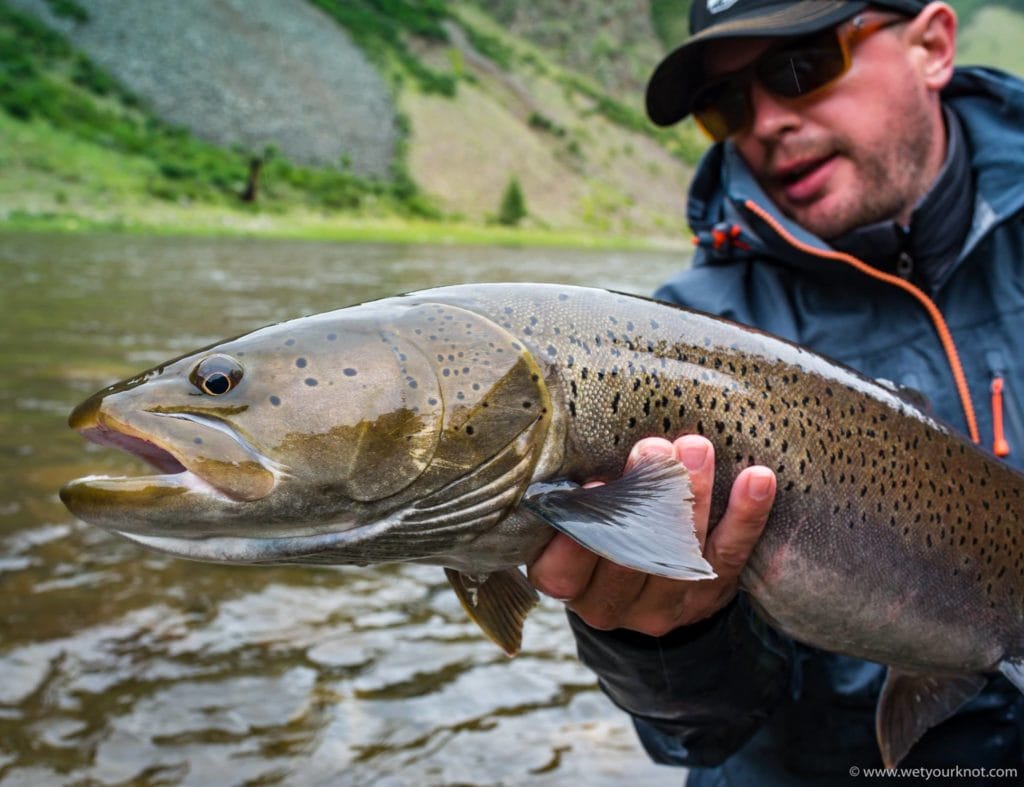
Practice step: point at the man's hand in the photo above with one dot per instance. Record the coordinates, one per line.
(609, 596)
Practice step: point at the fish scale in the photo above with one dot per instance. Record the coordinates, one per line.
(457, 426)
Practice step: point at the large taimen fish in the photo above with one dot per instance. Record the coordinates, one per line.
(454, 427)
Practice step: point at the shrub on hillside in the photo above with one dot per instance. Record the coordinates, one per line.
(380, 28)
(513, 204)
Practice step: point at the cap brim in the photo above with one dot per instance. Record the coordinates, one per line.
(674, 82)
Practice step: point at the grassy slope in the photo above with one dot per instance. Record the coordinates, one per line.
(513, 113)
(611, 177)
(77, 145)
(537, 123)
(53, 180)
(614, 42)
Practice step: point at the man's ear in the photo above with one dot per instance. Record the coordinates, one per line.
(932, 34)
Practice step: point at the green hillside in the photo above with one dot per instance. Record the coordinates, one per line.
(70, 120)
(546, 95)
(478, 108)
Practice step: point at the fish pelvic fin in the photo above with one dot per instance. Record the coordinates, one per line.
(911, 703)
(498, 603)
(642, 520)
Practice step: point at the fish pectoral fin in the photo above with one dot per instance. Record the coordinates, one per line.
(911, 703)
(642, 520)
(498, 603)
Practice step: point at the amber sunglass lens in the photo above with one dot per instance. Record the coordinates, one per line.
(794, 70)
(711, 123)
(722, 109)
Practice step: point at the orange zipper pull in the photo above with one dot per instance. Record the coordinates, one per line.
(999, 445)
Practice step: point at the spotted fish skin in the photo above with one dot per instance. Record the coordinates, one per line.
(456, 426)
(892, 538)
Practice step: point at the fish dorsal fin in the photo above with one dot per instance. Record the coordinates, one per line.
(498, 603)
(908, 394)
(642, 520)
(911, 703)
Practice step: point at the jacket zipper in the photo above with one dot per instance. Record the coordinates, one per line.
(938, 321)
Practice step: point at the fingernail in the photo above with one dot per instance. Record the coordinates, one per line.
(694, 456)
(650, 446)
(760, 486)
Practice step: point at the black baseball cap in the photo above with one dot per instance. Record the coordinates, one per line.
(676, 79)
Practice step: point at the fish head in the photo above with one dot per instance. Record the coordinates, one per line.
(280, 440)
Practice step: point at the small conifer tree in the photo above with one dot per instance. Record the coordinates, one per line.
(513, 204)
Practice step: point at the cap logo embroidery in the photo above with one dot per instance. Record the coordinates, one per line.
(717, 6)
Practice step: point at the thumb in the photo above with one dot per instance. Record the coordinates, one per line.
(737, 533)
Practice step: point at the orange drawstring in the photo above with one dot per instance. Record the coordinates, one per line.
(933, 311)
(999, 445)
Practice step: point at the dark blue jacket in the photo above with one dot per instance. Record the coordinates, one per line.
(735, 700)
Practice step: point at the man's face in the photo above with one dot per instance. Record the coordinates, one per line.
(863, 150)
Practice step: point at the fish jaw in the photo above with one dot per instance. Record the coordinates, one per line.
(301, 547)
(199, 508)
(207, 470)
(140, 504)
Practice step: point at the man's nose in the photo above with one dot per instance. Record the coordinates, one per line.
(771, 115)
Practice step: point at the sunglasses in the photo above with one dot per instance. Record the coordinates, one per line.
(796, 69)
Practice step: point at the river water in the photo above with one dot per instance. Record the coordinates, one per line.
(119, 666)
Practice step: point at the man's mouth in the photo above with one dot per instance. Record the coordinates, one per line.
(803, 180)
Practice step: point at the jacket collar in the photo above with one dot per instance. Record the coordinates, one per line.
(987, 107)
(926, 249)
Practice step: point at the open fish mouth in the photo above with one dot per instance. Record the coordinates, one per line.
(197, 457)
(151, 453)
(206, 497)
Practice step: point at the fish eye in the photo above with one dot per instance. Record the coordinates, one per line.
(216, 375)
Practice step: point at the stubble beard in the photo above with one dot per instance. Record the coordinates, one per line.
(890, 180)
